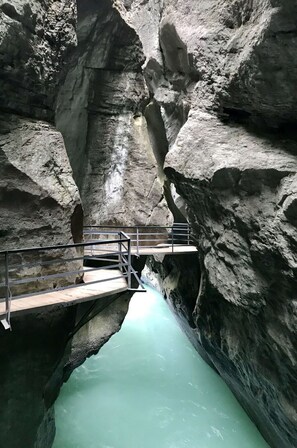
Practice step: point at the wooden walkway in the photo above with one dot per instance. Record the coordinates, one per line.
(161, 249)
(111, 282)
(110, 248)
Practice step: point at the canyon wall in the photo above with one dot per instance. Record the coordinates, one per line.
(112, 107)
(100, 112)
(46, 179)
(73, 137)
(223, 74)
(40, 203)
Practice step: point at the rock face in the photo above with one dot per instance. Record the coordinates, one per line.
(30, 354)
(202, 94)
(238, 188)
(68, 73)
(224, 78)
(39, 200)
(100, 112)
(40, 205)
(35, 37)
(95, 324)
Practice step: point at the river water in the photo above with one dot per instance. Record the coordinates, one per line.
(149, 388)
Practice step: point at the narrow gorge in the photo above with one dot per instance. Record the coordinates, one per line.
(145, 113)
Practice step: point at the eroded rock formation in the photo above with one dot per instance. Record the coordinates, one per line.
(197, 98)
(40, 205)
(72, 114)
(224, 76)
(39, 200)
(100, 112)
(238, 193)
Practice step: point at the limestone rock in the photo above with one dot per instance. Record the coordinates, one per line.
(30, 355)
(225, 86)
(34, 39)
(40, 202)
(39, 198)
(100, 114)
(213, 82)
(105, 319)
(240, 193)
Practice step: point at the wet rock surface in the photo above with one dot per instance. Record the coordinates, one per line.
(100, 112)
(245, 313)
(198, 98)
(30, 355)
(177, 277)
(39, 200)
(223, 76)
(35, 37)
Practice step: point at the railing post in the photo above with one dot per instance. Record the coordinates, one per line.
(188, 234)
(7, 293)
(172, 238)
(129, 263)
(120, 255)
(137, 241)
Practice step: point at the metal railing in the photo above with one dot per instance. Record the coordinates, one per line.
(145, 237)
(31, 271)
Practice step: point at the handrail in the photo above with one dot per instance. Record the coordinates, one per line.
(178, 234)
(64, 278)
(60, 246)
(176, 224)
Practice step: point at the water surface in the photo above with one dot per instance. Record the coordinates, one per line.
(149, 388)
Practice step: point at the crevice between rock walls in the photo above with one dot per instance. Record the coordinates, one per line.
(100, 112)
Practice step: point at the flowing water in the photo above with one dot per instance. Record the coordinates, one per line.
(149, 388)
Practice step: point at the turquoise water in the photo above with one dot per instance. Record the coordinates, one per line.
(148, 388)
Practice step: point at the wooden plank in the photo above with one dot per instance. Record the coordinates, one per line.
(162, 249)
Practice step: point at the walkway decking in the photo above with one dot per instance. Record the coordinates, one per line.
(111, 282)
(165, 249)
